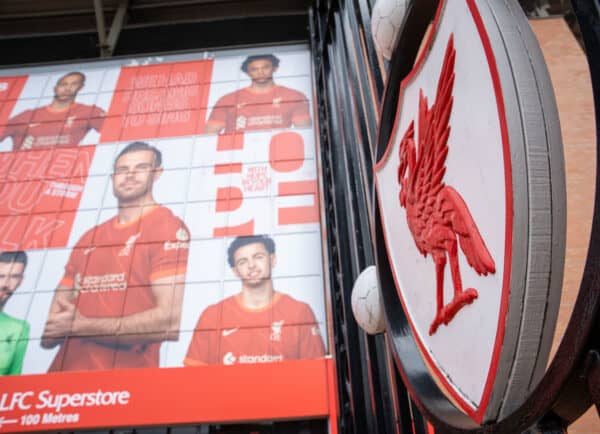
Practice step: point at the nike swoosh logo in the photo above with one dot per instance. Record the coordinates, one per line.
(230, 331)
(89, 250)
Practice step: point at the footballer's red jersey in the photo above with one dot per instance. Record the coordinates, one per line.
(112, 268)
(247, 109)
(230, 333)
(44, 127)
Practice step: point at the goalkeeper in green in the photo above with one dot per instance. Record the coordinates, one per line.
(14, 333)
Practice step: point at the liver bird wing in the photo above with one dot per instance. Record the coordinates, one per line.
(433, 132)
(434, 200)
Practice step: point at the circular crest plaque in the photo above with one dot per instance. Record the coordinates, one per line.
(471, 207)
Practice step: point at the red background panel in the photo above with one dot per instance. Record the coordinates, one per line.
(10, 89)
(153, 101)
(35, 189)
(204, 394)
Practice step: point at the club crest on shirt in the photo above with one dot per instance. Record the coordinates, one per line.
(240, 122)
(276, 327)
(77, 282)
(69, 121)
(28, 142)
(126, 251)
(277, 102)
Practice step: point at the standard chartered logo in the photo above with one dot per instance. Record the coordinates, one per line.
(101, 283)
(229, 359)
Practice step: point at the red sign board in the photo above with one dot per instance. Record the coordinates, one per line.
(210, 394)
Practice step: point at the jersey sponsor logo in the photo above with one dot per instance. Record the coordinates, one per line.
(126, 251)
(228, 332)
(260, 358)
(40, 141)
(175, 245)
(52, 140)
(229, 359)
(101, 283)
(276, 327)
(264, 121)
(182, 237)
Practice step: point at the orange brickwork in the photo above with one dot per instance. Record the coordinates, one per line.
(571, 80)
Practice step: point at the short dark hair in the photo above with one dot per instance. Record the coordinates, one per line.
(140, 146)
(270, 57)
(239, 242)
(16, 256)
(81, 74)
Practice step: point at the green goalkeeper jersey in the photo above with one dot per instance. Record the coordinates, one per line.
(14, 335)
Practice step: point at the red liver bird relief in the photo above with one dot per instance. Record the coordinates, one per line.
(437, 215)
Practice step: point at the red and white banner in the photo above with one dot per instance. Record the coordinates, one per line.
(145, 196)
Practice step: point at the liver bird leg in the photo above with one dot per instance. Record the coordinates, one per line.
(461, 298)
(446, 313)
(439, 258)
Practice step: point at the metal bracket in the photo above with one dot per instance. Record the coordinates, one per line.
(592, 375)
(551, 424)
(107, 42)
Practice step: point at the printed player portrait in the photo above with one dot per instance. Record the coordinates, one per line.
(122, 289)
(14, 333)
(63, 122)
(261, 105)
(259, 324)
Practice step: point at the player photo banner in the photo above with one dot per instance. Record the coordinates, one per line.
(159, 218)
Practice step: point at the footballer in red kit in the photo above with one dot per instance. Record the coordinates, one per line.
(122, 290)
(259, 324)
(262, 105)
(61, 123)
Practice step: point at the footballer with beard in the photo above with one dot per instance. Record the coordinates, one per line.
(63, 122)
(262, 105)
(122, 291)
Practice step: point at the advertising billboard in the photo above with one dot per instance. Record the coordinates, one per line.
(160, 213)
